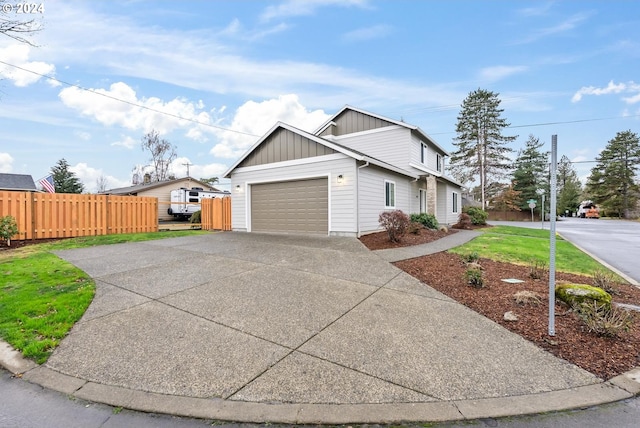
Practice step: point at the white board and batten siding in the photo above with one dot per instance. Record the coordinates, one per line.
(446, 215)
(342, 200)
(372, 196)
(389, 144)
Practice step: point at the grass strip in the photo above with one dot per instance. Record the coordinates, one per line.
(525, 246)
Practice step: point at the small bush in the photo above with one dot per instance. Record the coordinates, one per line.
(415, 228)
(477, 215)
(603, 320)
(196, 217)
(395, 223)
(464, 222)
(604, 280)
(526, 297)
(474, 277)
(471, 257)
(8, 228)
(537, 269)
(427, 220)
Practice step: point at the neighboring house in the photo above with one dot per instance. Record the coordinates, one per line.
(17, 182)
(337, 180)
(161, 190)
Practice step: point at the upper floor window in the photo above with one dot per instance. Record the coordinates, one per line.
(439, 162)
(389, 194)
(423, 153)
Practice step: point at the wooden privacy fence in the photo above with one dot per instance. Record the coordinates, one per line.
(66, 215)
(216, 213)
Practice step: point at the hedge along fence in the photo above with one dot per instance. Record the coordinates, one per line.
(216, 213)
(66, 215)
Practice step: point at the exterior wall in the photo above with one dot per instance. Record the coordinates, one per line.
(283, 145)
(389, 144)
(352, 121)
(371, 191)
(445, 214)
(342, 196)
(431, 159)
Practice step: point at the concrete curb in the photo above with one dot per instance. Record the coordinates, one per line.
(619, 388)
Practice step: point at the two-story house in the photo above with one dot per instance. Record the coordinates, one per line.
(337, 180)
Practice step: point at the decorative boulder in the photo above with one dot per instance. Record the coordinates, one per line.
(575, 295)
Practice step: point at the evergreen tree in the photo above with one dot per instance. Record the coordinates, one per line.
(531, 171)
(64, 180)
(612, 181)
(481, 148)
(569, 187)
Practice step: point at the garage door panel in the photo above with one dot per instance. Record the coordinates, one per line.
(293, 206)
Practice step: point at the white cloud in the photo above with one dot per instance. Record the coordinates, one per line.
(501, 71)
(197, 171)
(305, 7)
(89, 177)
(126, 141)
(6, 162)
(258, 117)
(83, 135)
(368, 33)
(611, 88)
(565, 26)
(18, 55)
(120, 105)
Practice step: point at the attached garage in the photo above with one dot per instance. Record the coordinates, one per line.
(300, 206)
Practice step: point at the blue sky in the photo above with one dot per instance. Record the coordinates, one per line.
(212, 76)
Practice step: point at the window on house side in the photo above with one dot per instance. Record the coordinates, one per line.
(439, 162)
(455, 202)
(423, 153)
(389, 194)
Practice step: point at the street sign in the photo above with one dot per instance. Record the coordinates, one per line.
(532, 205)
(531, 201)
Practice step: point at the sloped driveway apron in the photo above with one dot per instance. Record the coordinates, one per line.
(289, 319)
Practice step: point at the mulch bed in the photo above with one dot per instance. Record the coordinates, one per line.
(380, 240)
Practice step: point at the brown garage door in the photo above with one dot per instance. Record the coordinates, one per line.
(290, 207)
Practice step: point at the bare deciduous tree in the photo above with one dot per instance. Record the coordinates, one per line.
(20, 29)
(162, 154)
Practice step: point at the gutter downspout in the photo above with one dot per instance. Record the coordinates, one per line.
(366, 164)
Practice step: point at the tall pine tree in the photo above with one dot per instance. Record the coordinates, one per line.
(569, 187)
(531, 171)
(612, 181)
(481, 149)
(64, 180)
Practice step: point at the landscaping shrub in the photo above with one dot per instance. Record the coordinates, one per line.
(604, 280)
(605, 320)
(526, 297)
(474, 277)
(537, 269)
(478, 215)
(427, 220)
(8, 228)
(464, 222)
(196, 217)
(415, 228)
(471, 257)
(395, 223)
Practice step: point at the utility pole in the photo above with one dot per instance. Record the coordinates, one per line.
(187, 165)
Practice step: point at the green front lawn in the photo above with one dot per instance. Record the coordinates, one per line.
(523, 246)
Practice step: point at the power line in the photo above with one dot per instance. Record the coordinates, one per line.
(127, 102)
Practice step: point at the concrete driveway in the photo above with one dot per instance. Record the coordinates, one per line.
(294, 329)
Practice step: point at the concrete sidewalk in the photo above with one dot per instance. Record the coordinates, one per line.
(254, 328)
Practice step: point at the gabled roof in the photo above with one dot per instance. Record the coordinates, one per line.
(319, 140)
(414, 128)
(141, 187)
(18, 182)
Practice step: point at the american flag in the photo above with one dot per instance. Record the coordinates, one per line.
(47, 184)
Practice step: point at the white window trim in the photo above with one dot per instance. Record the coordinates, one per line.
(393, 206)
(422, 200)
(455, 202)
(439, 162)
(423, 153)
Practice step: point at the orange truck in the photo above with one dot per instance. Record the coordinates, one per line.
(588, 209)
